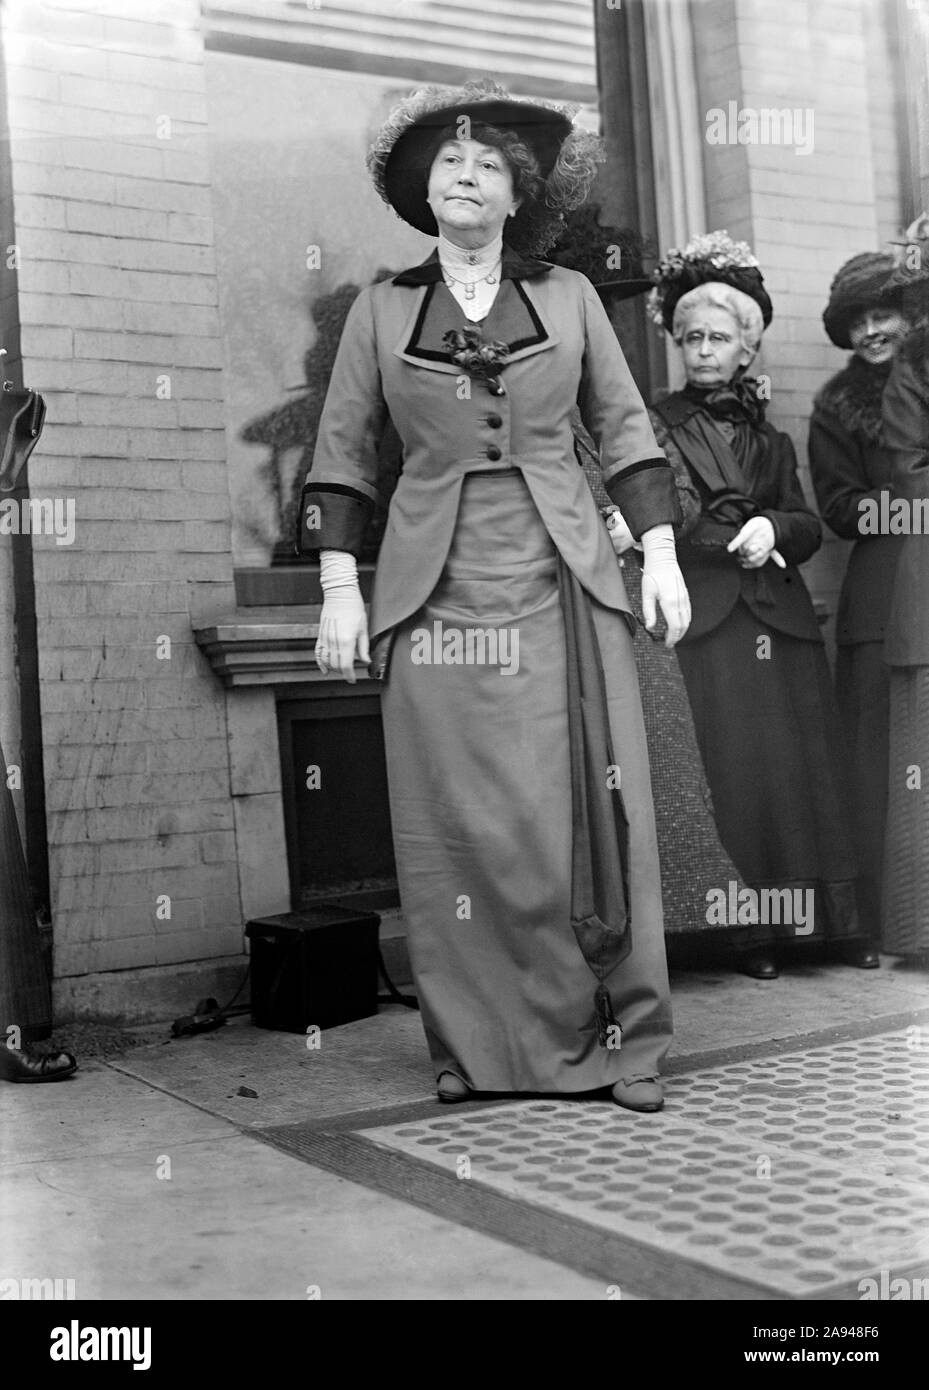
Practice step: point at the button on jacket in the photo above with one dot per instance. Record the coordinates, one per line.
(561, 351)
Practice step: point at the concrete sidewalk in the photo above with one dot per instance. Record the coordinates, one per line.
(145, 1176)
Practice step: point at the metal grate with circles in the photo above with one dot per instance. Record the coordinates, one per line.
(798, 1172)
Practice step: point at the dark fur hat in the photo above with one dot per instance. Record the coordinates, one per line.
(861, 283)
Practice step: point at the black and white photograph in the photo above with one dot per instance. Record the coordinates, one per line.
(464, 666)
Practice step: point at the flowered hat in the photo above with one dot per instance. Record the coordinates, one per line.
(611, 257)
(861, 283)
(714, 257)
(567, 156)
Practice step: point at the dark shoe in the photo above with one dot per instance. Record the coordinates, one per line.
(643, 1095)
(862, 957)
(758, 967)
(31, 1067)
(451, 1089)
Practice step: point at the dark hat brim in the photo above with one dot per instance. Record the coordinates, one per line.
(622, 289)
(405, 173)
(695, 273)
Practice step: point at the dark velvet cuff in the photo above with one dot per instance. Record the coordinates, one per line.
(646, 494)
(332, 517)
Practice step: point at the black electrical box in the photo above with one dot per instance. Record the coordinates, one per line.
(314, 967)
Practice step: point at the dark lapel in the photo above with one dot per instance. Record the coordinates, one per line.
(515, 316)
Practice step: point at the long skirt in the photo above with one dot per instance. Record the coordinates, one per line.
(772, 746)
(906, 844)
(480, 796)
(862, 687)
(694, 863)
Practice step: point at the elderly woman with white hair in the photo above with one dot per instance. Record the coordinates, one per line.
(753, 658)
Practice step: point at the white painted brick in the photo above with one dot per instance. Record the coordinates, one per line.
(131, 412)
(110, 157)
(161, 72)
(117, 221)
(185, 258)
(187, 383)
(43, 277)
(161, 288)
(46, 342)
(32, 82)
(110, 726)
(184, 227)
(177, 444)
(194, 320)
(171, 41)
(139, 822)
(49, 310)
(34, 211)
(42, 245)
(160, 193)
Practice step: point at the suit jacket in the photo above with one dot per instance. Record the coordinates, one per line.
(715, 580)
(847, 467)
(906, 433)
(562, 351)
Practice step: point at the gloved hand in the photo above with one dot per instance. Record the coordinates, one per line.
(620, 534)
(663, 582)
(755, 544)
(343, 624)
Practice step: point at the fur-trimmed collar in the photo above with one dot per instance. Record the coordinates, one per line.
(916, 345)
(853, 396)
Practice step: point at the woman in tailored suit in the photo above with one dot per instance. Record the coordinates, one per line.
(519, 788)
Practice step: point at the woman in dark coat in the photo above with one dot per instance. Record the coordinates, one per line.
(693, 859)
(906, 434)
(753, 658)
(850, 466)
(519, 790)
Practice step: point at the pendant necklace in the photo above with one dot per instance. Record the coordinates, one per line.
(470, 286)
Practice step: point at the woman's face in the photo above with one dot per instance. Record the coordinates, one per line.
(877, 333)
(470, 191)
(713, 347)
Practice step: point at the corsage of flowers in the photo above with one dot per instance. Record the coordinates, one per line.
(467, 348)
(715, 249)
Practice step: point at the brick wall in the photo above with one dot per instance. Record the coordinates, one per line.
(120, 330)
(804, 214)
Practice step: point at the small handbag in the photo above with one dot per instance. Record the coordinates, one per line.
(22, 417)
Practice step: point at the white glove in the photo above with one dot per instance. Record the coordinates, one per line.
(343, 625)
(755, 544)
(662, 581)
(620, 534)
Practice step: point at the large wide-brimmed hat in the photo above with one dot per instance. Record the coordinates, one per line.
(862, 283)
(710, 259)
(610, 257)
(567, 155)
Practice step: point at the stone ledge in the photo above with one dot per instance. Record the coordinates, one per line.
(264, 646)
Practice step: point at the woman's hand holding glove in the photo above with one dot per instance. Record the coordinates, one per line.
(662, 581)
(755, 544)
(620, 534)
(343, 624)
